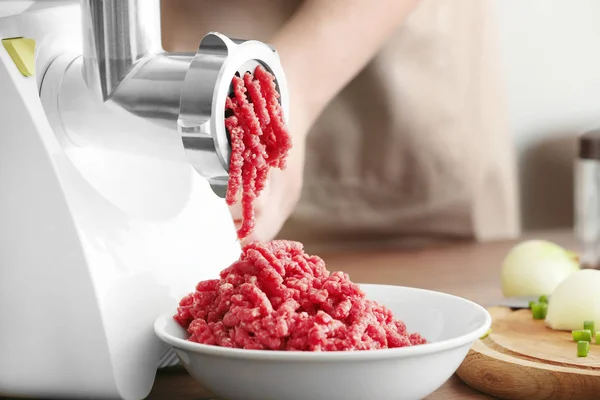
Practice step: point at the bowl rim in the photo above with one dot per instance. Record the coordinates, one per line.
(330, 356)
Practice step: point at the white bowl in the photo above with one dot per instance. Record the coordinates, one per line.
(451, 325)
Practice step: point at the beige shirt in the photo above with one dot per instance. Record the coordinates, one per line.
(417, 146)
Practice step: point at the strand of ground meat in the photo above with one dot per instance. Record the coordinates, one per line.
(236, 160)
(281, 139)
(260, 109)
(259, 140)
(277, 297)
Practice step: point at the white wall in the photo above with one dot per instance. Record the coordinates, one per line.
(551, 55)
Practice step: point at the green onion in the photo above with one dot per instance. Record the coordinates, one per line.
(531, 303)
(589, 325)
(486, 334)
(583, 348)
(543, 299)
(597, 337)
(539, 310)
(582, 335)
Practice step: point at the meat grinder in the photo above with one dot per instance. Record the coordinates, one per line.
(114, 162)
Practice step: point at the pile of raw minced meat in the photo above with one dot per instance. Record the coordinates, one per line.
(275, 296)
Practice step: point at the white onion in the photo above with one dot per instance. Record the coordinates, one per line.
(535, 268)
(575, 300)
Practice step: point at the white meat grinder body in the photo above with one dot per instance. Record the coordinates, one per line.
(110, 209)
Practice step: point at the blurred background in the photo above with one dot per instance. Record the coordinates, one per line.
(551, 67)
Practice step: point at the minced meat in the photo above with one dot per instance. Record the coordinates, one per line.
(277, 297)
(259, 140)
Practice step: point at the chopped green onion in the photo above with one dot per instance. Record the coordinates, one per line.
(486, 334)
(589, 325)
(539, 310)
(583, 348)
(582, 335)
(531, 303)
(597, 337)
(543, 299)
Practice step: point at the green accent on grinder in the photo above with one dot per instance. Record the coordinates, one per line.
(22, 52)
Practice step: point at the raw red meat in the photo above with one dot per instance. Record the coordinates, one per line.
(259, 140)
(277, 297)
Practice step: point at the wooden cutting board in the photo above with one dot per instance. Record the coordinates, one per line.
(523, 359)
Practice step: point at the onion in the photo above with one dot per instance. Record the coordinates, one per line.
(575, 300)
(535, 268)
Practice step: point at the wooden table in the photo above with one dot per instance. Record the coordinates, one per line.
(468, 270)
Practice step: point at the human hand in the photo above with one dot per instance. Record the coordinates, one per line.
(319, 23)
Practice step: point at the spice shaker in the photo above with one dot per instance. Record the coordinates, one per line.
(587, 199)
